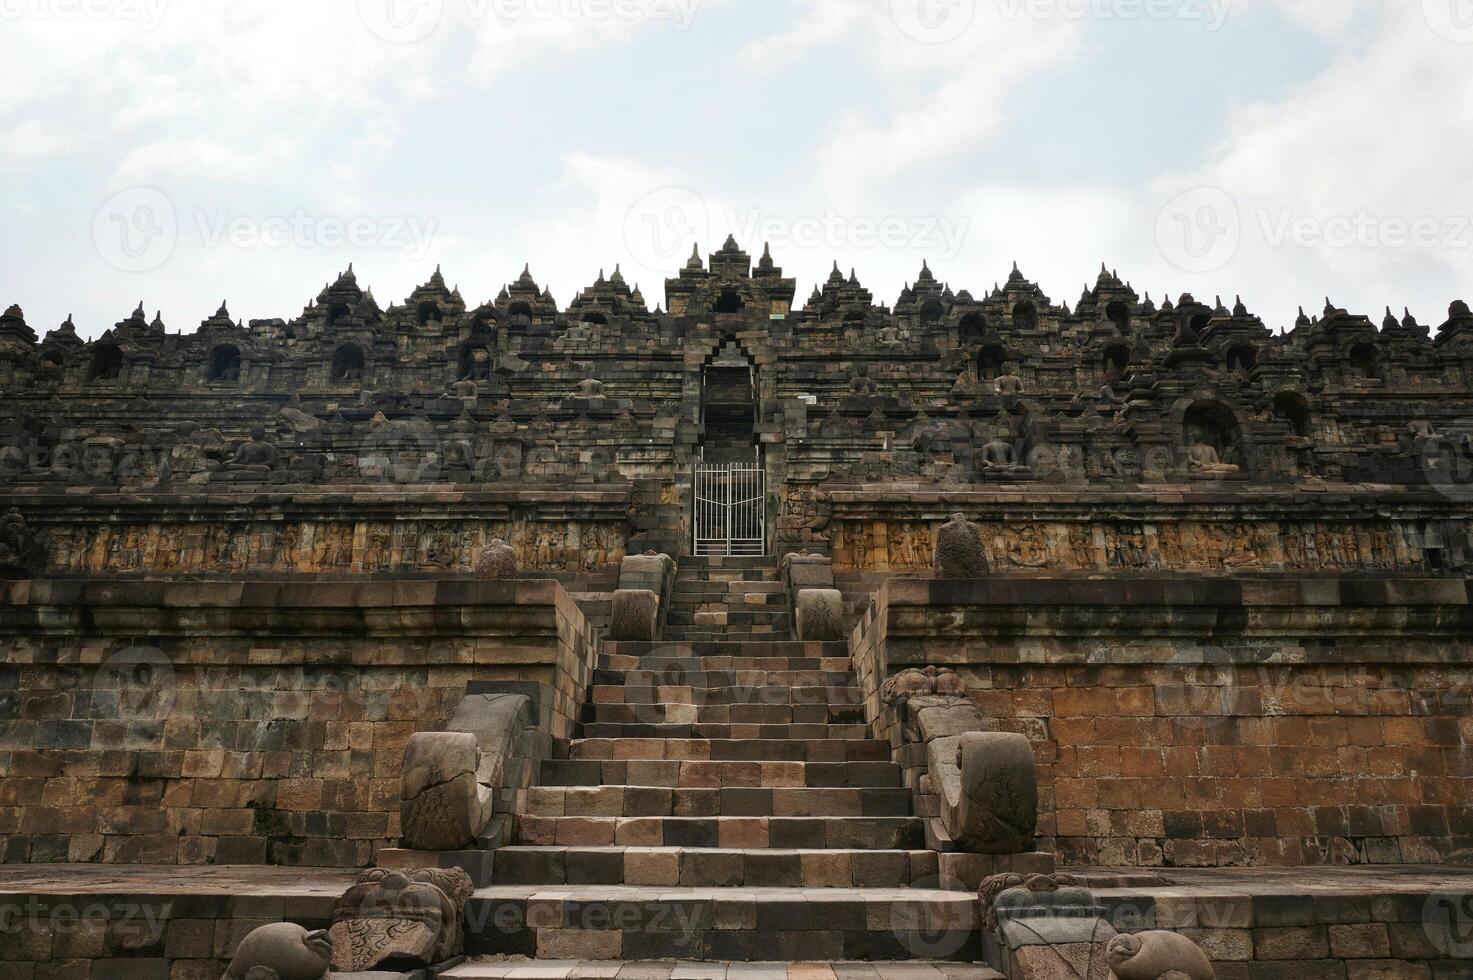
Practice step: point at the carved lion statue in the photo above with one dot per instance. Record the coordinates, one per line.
(281, 952)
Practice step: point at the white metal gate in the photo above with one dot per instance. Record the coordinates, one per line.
(731, 509)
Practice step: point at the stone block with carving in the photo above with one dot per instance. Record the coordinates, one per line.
(498, 561)
(959, 550)
(803, 570)
(1157, 955)
(820, 615)
(1044, 927)
(281, 952)
(988, 783)
(450, 778)
(651, 571)
(635, 615)
(20, 552)
(400, 920)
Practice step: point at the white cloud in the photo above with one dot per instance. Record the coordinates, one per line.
(1376, 142)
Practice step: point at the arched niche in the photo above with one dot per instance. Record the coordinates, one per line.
(730, 301)
(1025, 316)
(1242, 359)
(1293, 409)
(594, 316)
(971, 329)
(429, 312)
(1119, 314)
(337, 313)
(473, 363)
(1116, 362)
(520, 308)
(225, 364)
(348, 365)
(992, 362)
(1365, 361)
(932, 311)
(1211, 423)
(107, 363)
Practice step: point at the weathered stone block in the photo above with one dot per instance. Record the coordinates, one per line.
(820, 615)
(959, 550)
(635, 615)
(989, 790)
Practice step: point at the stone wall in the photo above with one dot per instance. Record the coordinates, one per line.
(1211, 722)
(1187, 528)
(368, 529)
(257, 722)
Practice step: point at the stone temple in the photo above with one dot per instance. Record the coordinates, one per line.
(972, 636)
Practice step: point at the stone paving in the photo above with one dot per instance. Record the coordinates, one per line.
(595, 970)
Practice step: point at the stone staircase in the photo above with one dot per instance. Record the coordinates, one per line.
(727, 599)
(724, 803)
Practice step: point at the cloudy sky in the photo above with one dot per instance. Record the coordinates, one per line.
(184, 151)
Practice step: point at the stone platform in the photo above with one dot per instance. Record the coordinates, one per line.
(1348, 923)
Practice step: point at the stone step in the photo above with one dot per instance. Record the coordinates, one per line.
(763, 694)
(725, 648)
(736, 589)
(728, 622)
(603, 922)
(705, 867)
(716, 730)
(744, 749)
(693, 563)
(670, 674)
(670, 970)
(726, 714)
(822, 832)
(591, 772)
(692, 634)
(730, 575)
(732, 750)
(664, 801)
(698, 664)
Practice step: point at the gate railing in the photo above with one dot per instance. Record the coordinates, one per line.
(730, 509)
